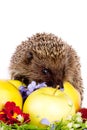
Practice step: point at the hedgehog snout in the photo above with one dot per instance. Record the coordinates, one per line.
(55, 84)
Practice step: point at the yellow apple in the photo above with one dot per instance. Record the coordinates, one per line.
(9, 93)
(16, 83)
(73, 94)
(48, 103)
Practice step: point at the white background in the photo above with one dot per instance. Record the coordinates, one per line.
(20, 19)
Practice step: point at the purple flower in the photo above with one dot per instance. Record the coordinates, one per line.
(61, 89)
(45, 121)
(25, 91)
(40, 85)
(31, 86)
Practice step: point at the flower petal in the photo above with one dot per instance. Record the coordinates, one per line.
(44, 121)
(31, 86)
(40, 85)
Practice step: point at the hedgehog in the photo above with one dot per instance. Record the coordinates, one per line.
(45, 57)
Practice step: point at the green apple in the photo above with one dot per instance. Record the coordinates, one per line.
(49, 103)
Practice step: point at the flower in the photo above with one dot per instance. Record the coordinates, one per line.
(3, 116)
(25, 91)
(45, 121)
(83, 112)
(11, 114)
(33, 86)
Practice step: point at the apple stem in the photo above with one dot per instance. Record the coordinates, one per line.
(56, 89)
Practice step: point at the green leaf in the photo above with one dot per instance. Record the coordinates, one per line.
(4, 126)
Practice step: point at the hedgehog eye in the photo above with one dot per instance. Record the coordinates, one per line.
(45, 71)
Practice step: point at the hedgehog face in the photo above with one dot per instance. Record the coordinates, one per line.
(41, 67)
(44, 69)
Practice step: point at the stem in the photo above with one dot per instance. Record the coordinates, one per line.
(56, 89)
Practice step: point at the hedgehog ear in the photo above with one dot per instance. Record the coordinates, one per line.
(29, 57)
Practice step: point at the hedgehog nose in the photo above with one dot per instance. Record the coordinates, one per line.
(50, 83)
(55, 84)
